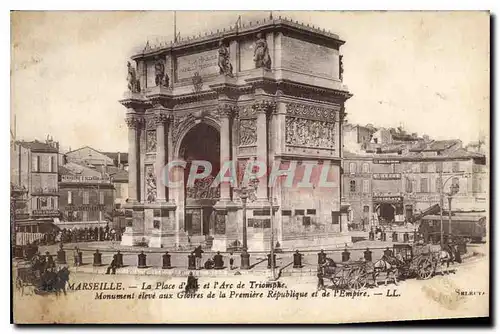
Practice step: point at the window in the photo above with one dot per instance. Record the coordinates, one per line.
(366, 168)
(455, 167)
(352, 186)
(70, 197)
(409, 185)
(366, 186)
(35, 163)
(51, 164)
(439, 167)
(85, 197)
(85, 216)
(438, 185)
(352, 168)
(101, 197)
(424, 185)
(335, 217)
(423, 168)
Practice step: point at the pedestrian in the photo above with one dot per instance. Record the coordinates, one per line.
(112, 266)
(76, 257)
(321, 282)
(231, 261)
(198, 256)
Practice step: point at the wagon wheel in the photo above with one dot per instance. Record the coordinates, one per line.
(338, 279)
(357, 279)
(425, 268)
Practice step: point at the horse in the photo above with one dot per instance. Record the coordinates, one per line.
(389, 266)
(446, 255)
(62, 278)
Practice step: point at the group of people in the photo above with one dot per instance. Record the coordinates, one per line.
(89, 234)
(216, 262)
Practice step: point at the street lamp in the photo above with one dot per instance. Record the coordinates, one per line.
(243, 192)
(453, 190)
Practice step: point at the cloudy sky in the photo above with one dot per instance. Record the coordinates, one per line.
(428, 72)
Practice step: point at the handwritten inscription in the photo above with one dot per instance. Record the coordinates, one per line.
(205, 63)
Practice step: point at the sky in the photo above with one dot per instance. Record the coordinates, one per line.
(425, 71)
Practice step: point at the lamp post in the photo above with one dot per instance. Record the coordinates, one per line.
(453, 190)
(245, 257)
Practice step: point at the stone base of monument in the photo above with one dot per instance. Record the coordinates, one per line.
(132, 238)
(328, 241)
(220, 243)
(159, 239)
(257, 243)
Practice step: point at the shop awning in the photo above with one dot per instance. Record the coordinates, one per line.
(78, 225)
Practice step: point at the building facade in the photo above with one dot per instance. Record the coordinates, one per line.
(86, 197)
(394, 180)
(269, 92)
(34, 168)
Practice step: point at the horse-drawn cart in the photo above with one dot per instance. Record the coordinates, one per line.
(26, 276)
(419, 260)
(351, 275)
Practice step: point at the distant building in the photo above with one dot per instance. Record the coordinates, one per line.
(86, 196)
(398, 175)
(34, 168)
(89, 156)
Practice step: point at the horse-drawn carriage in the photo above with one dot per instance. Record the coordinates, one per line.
(404, 260)
(44, 279)
(350, 275)
(422, 260)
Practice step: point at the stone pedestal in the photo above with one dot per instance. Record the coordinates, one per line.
(226, 211)
(134, 235)
(163, 234)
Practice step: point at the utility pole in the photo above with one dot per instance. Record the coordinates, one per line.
(273, 269)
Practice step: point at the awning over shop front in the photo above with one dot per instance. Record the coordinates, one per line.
(78, 225)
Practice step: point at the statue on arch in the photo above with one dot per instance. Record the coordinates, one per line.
(261, 53)
(133, 82)
(225, 66)
(161, 78)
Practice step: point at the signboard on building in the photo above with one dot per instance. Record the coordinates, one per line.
(388, 199)
(386, 161)
(387, 176)
(84, 179)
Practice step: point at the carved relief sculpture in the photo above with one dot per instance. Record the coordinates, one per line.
(225, 66)
(151, 141)
(133, 82)
(202, 189)
(150, 184)
(261, 53)
(248, 131)
(310, 133)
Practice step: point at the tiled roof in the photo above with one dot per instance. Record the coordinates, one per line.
(117, 174)
(38, 146)
(114, 156)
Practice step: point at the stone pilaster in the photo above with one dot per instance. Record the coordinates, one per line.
(262, 108)
(161, 155)
(226, 111)
(134, 123)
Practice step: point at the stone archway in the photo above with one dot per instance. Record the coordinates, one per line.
(200, 142)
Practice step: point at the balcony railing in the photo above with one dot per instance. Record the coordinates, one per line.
(49, 191)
